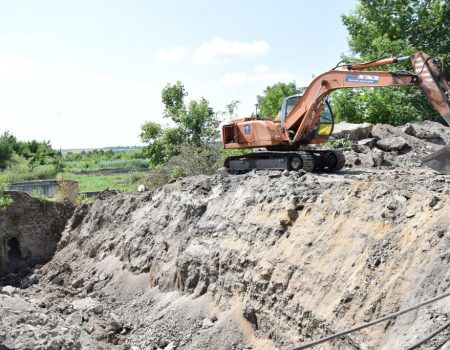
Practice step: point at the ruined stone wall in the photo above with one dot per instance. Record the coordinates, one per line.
(30, 230)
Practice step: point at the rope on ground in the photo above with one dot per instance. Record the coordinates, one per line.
(440, 345)
(429, 337)
(371, 323)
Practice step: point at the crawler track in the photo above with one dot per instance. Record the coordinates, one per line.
(310, 161)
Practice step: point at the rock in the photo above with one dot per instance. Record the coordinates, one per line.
(9, 290)
(360, 148)
(410, 214)
(369, 142)
(141, 188)
(400, 198)
(223, 172)
(433, 201)
(207, 323)
(437, 207)
(78, 282)
(408, 129)
(170, 346)
(383, 131)
(395, 143)
(250, 315)
(58, 280)
(98, 309)
(423, 130)
(86, 304)
(351, 131)
(377, 157)
(114, 323)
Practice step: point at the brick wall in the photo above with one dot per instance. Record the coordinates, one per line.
(30, 230)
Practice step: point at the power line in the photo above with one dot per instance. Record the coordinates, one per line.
(429, 337)
(441, 344)
(371, 323)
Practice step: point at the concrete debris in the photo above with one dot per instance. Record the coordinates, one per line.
(396, 143)
(351, 131)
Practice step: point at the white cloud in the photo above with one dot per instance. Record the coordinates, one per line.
(18, 67)
(220, 50)
(173, 54)
(235, 79)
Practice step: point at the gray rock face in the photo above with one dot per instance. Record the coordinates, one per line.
(351, 131)
(395, 143)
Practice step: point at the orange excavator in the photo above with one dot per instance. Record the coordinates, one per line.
(307, 119)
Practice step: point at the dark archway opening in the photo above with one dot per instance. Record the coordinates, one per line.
(15, 269)
(14, 253)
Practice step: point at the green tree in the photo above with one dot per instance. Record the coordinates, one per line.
(379, 28)
(272, 98)
(195, 125)
(8, 146)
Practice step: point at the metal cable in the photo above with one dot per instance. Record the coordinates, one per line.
(371, 323)
(428, 337)
(440, 345)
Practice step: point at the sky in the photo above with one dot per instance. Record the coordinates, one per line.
(88, 74)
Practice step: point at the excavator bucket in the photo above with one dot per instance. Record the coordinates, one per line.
(439, 161)
(435, 86)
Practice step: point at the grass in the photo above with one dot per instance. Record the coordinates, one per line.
(93, 164)
(97, 183)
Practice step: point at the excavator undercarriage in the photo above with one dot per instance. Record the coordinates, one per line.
(319, 160)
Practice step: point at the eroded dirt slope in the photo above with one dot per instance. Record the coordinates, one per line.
(255, 261)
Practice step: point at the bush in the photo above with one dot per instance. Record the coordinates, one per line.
(190, 162)
(68, 193)
(5, 200)
(21, 171)
(3, 183)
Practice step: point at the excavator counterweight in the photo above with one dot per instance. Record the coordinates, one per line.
(307, 119)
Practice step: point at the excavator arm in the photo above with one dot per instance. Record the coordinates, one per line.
(427, 76)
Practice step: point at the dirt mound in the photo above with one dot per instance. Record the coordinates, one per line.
(258, 261)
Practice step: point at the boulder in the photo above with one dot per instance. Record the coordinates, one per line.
(369, 142)
(424, 130)
(351, 131)
(383, 131)
(395, 143)
(377, 157)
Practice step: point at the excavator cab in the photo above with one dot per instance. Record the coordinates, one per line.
(325, 125)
